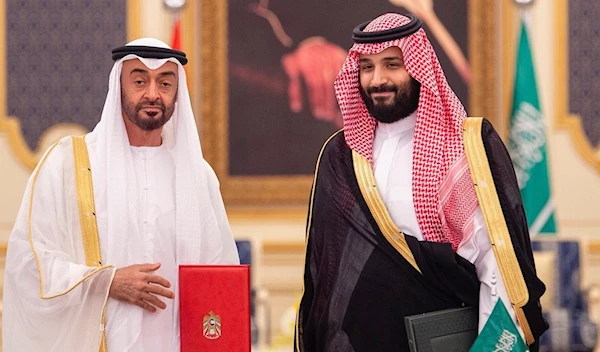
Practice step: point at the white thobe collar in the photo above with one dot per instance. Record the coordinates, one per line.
(392, 163)
(388, 130)
(148, 152)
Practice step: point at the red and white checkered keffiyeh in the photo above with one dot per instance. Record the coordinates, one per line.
(444, 196)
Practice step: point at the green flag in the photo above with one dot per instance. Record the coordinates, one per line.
(527, 143)
(499, 334)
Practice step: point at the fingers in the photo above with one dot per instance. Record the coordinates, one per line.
(153, 300)
(144, 305)
(159, 280)
(161, 291)
(148, 267)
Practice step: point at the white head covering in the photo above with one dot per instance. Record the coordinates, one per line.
(198, 230)
(53, 301)
(197, 233)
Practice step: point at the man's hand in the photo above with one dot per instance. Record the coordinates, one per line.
(137, 285)
(316, 62)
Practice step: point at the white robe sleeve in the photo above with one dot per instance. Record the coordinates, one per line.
(230, 253)
(478, 250)
(52, 300)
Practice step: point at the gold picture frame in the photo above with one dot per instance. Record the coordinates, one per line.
(564, 119)
(294, 189)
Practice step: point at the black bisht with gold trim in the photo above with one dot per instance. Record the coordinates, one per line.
(359, 282)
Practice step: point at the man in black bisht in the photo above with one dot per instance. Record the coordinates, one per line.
(415, 207)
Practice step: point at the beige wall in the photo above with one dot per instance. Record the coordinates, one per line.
(12, 184)
(155, 20)
(576, 185)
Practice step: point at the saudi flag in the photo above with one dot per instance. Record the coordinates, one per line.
(499, 334)
(527, 143)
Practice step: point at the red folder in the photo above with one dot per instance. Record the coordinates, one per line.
(214, 308)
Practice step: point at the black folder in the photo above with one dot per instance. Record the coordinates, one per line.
(450, 330)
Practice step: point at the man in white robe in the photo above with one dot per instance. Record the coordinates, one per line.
(157, 205)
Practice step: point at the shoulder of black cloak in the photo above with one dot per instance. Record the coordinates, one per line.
(511, 203)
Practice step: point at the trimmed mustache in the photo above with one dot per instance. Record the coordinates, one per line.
(150, 104)
(383, 89)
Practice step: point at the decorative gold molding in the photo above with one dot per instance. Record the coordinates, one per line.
(188, 30)
(581, 223)
(262, 213)
(10, 125)
(214, 86)
(565, 120)
(281, 289)
(134, 20)
(509, 15)
(12, 129)
(594, 247)
(284, 248)
(482, 55)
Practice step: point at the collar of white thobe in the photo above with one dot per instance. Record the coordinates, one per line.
(390, 134)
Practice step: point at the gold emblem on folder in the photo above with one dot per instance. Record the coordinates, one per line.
(211, 327)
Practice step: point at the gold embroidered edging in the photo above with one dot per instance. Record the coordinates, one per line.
(310, 210)
(102, 347)
(495, 222)
(30, 235)
(85, 203)
(87, 215)
(368, 188)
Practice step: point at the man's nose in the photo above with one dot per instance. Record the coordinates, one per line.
(152, 92)
(379, 78)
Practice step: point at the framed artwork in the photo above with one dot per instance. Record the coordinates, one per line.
(267, 71)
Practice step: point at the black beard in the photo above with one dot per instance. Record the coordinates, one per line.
(405, 101)
(147, 124)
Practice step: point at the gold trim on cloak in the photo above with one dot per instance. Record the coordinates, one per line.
(369, 191)
(495, 221)
(309, 222)
(87, 213)
(89, 230)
